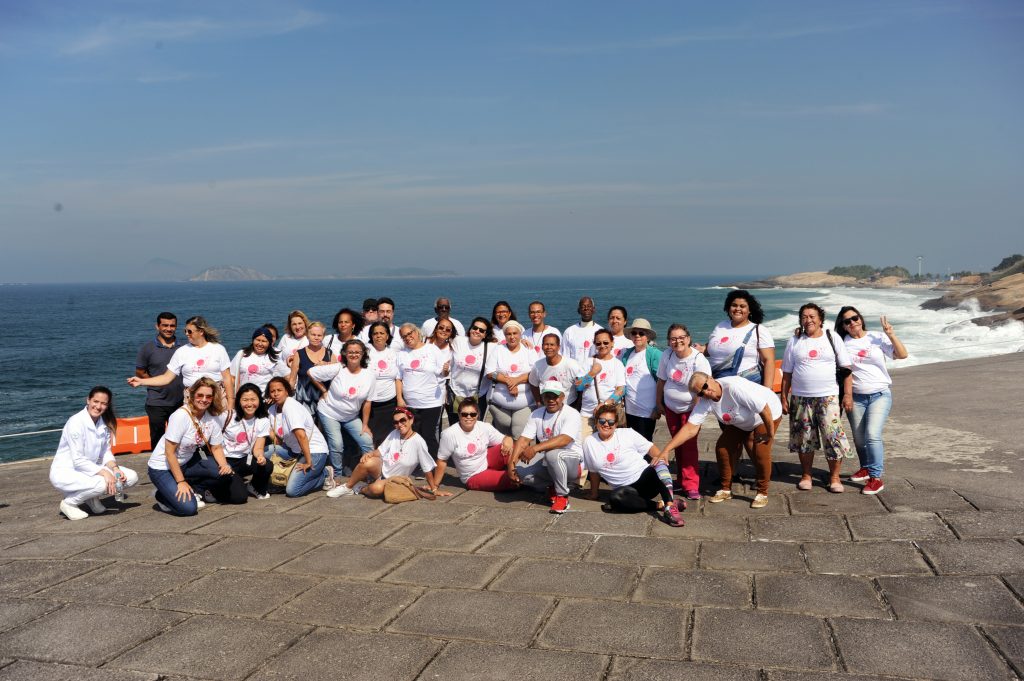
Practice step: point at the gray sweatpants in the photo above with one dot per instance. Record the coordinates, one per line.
(558, 467)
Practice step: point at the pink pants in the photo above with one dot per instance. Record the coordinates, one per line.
(686, 453)
(495, 478)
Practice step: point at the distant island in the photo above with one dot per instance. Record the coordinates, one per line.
(240, 273)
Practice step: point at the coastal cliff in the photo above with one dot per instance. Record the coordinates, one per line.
(1005, 295)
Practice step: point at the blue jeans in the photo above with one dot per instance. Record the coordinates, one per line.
(199, 473)
(867, 421)
(347, 442)
(301, 483)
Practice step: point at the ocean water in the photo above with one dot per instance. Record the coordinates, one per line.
(57, 341)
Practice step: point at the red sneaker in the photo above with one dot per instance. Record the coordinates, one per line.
(860, 476)
(560, 505)
(874, 486)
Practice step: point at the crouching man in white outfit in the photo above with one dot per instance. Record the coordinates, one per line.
(555, 458)
(84, 468)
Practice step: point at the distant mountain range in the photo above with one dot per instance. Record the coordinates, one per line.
(239, 273)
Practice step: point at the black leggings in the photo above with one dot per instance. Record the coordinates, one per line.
(381, 424)
(427, 424)
(636, 496)
(643, 425)
(232, 489)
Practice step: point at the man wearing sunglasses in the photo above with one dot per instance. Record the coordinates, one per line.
(442, 310)
(553, 461)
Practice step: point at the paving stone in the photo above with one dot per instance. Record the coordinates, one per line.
(520, 518)
(761, 638)
(149, 547)
(441, 536)
(28, 670)
(343, 603)
(991, 502)
(952, 599)
(212, 647)
(531, 544)
(798, 528)
(236, 593)
(901, 500)
(975, 556)
(987, 524)
(751, 557)
(866, 558)
(722, 528)
(909, 525)
(782, 675)
(16, 611)
(636, 524)
(637, 669)
(267, 525)
(13, 539)
(71, 635)
(1016, 583)
(644, 551)
(155, 521)
(96, 523)
(23, 577)
(948, 652)
(520, 499)
(334, 529)
(694, 587)
(366, 656)
(739, 505)
(1009, 640)
(479, 662)
(821, 595)
(124, 583)
(510, 618)
(453, 570)
(820, 502)
(345, 560)
(59, 545)
(246, 553)
(597, 627)
(584, 580)
(425, 511)
(347, 507)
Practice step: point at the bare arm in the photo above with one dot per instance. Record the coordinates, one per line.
(687, 432)
(767, 356)
(153, 381)
(787, 384)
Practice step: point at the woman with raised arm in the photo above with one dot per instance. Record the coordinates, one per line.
(469, 357)
(509, 369)
(421, 376)
(344, 409)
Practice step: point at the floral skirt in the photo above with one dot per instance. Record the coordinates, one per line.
(817, 421)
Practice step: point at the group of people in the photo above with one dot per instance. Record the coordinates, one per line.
(365, 403)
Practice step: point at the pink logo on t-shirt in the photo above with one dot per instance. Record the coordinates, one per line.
(610, 457)
(396, 455)
(547, 431)
(471, 447)
(603, 376)
(618, 352)
(382, 365)
(241, 438)
(727, 417)
(352, 390)
(200, 362)
(629, 371)
(723, 340)
(553, 378)
(470, 359)
(586, 344)
(280, 431)
(253, 369)
(514, 367)
(677, 375)
(862, 353)
(812, 354)
(415, 364)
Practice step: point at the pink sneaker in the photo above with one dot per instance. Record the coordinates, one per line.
(874, 486)
(672, 516)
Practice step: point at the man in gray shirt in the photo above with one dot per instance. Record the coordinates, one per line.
(152, 361)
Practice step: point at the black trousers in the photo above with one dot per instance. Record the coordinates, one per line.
(158, 416)
(644, 426)
(428, 424)
(380, 419)
(231, 488)
(636, 497)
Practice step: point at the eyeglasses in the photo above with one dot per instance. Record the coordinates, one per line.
(189, 333)
(637, 332)
(606, 422)
(602, 343)
(400, 422)
(357, 353)
(446, 329)
(442, 307)
(677, 339)
(468, 415)
(850, 320)
(408, 334)
(700, 393)
(477, 329)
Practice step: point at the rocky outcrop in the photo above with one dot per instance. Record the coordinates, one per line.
(230, 273)
(1005, 295)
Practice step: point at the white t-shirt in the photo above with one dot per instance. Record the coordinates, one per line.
(740, 406)
(289, 344)
(335, 344)
(467, 364)
(430, 324)
(619, 459)
(397, 344)
(421, 376)
(192, 363)
(543, 426)
(468, 451)
(293, 417)
(256, 369)
(347, 393)
(513, 364)
(534, 339)
(676, 372)
(384, 364)
(620, 344)
(241, 436)
(813, 364)
(564, 373)
(611, 377)
(868, 354)
(400, 457)
(84, 445)
(578, 341)
(181, 430)
(725, 341)
(641, 386)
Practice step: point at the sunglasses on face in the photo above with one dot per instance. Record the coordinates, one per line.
(468, 415)
(850, 320)
(700, 393)
(400, 422)
(477, 329)
(677, 339)
(606, 422)
(601, 343)
(637, 332)
(442, 307)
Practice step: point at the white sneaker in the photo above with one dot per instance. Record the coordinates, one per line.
(253, 492)
(72, 512)
(340, 491)
(359, 487)
(199, 501)
(96, 506)
(163, 507)
(329, 481)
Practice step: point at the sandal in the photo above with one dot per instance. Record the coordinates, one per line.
(836, 488)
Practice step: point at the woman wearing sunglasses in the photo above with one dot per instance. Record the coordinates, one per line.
(641, 361)
(633, 466)
(469, 356)
(480, 453)
(400, 453)
(344, 408)
(872, 398)
(605, 381)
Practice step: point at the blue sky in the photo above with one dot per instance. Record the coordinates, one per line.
(306, 138)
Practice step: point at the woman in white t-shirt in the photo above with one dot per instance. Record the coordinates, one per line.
(203, 356)
(179, 466)
(400, 454)
(422, 370)
(244, 440)
(384, 365)
(344, 408)
(84, 468)
(677, 365)
(478, 451)
(469, 357)
(872, 398)
(604, 382)
(294, 337)
(508, 366)
(441, 338)
(740, 345)
(259, 362)
(633, 466)
(641, 362)
(296, 437)
(618, 318)
(347, 325)
(810, 395)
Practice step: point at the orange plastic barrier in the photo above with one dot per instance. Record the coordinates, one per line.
(132, 436)
(777, 383)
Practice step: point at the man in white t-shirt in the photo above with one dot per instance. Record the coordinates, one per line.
(442, 310)
(534, 336)
(385, 315)
(554, 460)
(554, 367)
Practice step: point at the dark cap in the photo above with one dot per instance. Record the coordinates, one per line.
(369, 304)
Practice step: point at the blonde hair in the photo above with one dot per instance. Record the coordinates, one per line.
(319, 325)
(218, 405)
(211, 334)
(292, 315)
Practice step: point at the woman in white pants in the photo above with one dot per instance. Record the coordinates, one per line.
(84, 468)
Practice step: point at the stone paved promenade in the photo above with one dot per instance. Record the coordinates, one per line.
(923, 581)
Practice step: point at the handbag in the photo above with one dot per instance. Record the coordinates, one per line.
(400, 489)
(841, 371)
(282, 470)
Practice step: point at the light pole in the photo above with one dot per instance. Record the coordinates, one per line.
(919, 259)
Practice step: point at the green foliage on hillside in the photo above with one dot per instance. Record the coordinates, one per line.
(1008, 261)
(868, 271)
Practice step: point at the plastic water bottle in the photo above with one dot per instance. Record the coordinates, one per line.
(119, 494)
